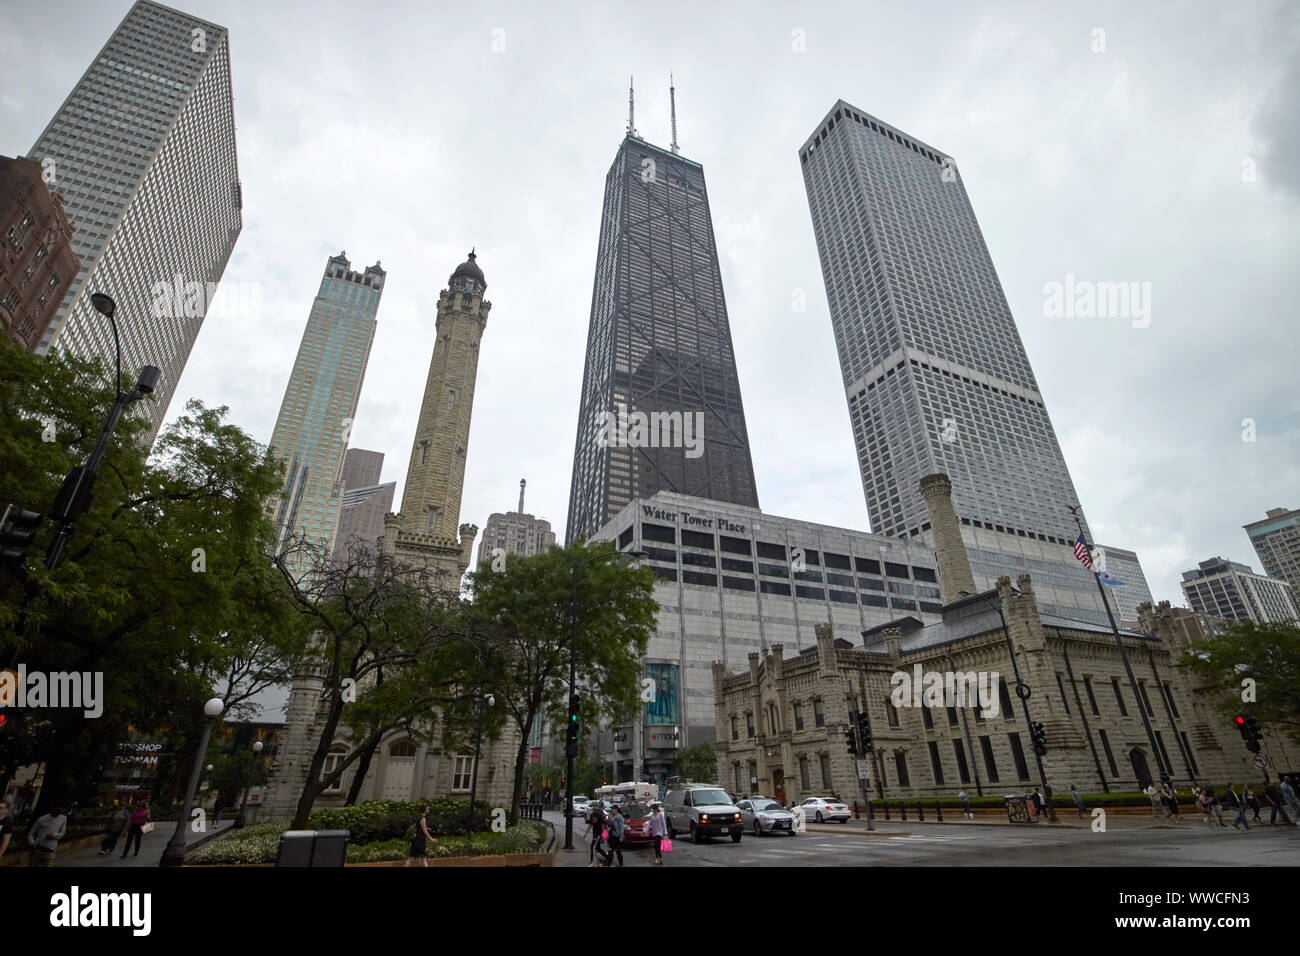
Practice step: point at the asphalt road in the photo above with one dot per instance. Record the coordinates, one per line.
(1188, 844)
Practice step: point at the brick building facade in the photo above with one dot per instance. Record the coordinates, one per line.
(37, 264)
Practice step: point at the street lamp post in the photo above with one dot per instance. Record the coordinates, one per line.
(248, 785)
(1022, 690)
(489, 700)
(571, 746)
(174, 855)
(74, 497)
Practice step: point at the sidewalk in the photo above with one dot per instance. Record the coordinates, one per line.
(1067, 817)
(151, 848)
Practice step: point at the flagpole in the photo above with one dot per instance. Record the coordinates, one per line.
(1165, 772)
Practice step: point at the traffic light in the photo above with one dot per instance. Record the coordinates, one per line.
(851, 741)
(864, 734)
(575, 727)
(1040, 739)
(16, 534)
(1248, 727)
(1255, 735)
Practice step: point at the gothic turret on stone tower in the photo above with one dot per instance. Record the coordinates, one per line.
(423, 535)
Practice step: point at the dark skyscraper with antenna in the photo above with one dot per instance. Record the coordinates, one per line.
(660, 406)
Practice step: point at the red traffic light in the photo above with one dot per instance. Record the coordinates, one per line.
(1240, 719)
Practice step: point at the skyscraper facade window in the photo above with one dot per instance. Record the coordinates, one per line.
(658, 345)
(143, 154)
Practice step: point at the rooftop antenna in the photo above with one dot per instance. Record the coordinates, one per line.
(522, 483)
(631, 110)
(672, 100)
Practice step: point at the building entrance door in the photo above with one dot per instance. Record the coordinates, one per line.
(778, 786)
(1140, 769)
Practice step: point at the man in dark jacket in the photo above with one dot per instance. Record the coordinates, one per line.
(595, 825)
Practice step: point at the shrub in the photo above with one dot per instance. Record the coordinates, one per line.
(382, 820)
(259, 843)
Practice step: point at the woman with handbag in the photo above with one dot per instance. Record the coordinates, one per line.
(659, 830)
(140, 825)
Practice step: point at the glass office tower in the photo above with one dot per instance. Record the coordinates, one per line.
(143, 153)
(936, 376)
(659, 346)
(320, 402)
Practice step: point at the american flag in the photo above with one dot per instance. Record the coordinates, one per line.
(1081, 552)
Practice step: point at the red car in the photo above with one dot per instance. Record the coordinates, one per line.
(636, 820)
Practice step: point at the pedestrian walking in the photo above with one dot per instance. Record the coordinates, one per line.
(1171, 800)
(117, 821)
(658, 830)
(6, 827)
(1203, 801)
(1216, 806)
(1273, 797)
(44, 836)
(1252, 802)
(1077, 799)
(1234, 802)
(965, 805)
(420, 840)
(1290, 797)
(617, 826)
(1154, 796)
(136, 830)
(595, 828)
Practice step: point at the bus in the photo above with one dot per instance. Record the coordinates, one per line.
(629, 793)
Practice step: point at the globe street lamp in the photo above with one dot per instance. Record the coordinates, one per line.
(174, 855)
(571, 746)
(243, 806)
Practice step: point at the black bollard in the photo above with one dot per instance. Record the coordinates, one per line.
(902, 811)
(938, 811)
(886, 803)
(920, 811)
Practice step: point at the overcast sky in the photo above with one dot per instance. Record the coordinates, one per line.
(395, 131)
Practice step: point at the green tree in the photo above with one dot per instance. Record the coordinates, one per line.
(1264, 658)
(166, 572)
(522, 614)
(698, 764)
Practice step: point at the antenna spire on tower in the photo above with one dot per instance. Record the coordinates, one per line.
(672, 100)
(631, 110)
(522, 482)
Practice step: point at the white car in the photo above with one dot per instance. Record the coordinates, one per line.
(766, 816)
(580, 806)
(822, 809)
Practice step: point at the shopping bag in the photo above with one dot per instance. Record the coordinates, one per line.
(146, 828)
(666, 846)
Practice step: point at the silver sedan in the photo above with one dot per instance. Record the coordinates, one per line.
(766, 816)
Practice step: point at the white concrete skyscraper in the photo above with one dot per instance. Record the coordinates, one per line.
(936, 376)
(320, 402)
(143, 154)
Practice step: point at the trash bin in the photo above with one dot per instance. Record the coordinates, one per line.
(311, 848)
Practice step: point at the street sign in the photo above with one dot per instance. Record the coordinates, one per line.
(864, 769)
(1260, 761)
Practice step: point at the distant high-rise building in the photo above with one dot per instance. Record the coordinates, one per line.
(364, 504)
(1232, 591)
(37, 265)
(515, 532)
(660, 407)
(143, 153)
(1124, 566)
(936, 377)
(1277, 542)
(423, 537)
(320, 403)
